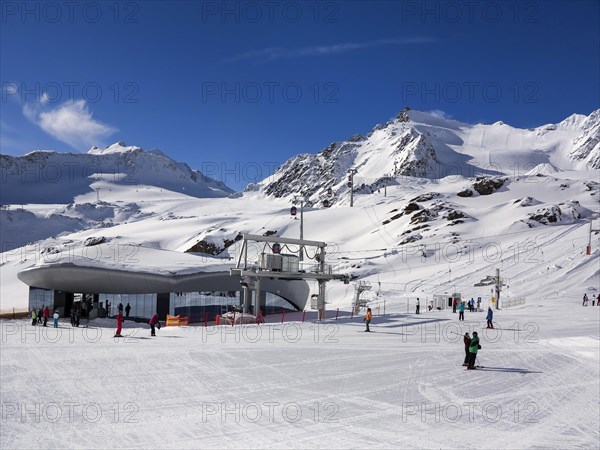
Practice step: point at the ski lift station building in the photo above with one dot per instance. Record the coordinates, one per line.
(151, 281)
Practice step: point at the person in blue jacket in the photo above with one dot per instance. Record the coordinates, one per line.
(461, 311)
(489, 317)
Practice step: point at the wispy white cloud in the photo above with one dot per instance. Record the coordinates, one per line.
(439, 114)
(274, 53)
(71, 122)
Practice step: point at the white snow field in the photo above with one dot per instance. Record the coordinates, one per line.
(309, 385)
(323, 384)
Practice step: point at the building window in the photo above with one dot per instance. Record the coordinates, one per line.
(142, 305)
(39, 298)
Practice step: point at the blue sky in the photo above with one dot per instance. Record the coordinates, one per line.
(235, 88)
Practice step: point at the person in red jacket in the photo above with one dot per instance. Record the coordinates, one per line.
(46, 315)
(119, 325)
(153, 323)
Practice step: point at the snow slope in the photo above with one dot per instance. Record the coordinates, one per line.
(309, 385)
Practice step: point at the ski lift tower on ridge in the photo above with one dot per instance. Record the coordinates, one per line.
(359, 288)
(282, 266)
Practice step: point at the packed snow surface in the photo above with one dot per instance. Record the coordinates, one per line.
(309, 385)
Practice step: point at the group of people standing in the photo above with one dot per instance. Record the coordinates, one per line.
(76, 314)
(43, 313)
(38, 315)
(586, 300)
(471, 347)
(471, 304)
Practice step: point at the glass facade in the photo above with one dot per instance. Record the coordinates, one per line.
(142, 305)
(200, 305)
(39, 297)
(196, 304)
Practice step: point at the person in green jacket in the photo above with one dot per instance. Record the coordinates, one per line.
(33, 317)
(461, 311)
(473, 351)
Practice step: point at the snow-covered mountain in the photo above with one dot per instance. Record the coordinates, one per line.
(51, 177)
(417, 144)
(432, 198)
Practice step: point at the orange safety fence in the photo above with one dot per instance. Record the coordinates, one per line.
(172, 321)
(177, 321)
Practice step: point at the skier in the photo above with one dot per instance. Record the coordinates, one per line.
(598, 300)
(119, 325)
(461, 311)
(33, 317)
(473, 351)
(585, 299)
(153, 324)
(418, 306)
(471, 305)
(467, 342)
(367, 319)
(46, 315)
(127, 310)
(56, 316)
(73, 316)
(489, 317)
(120, 308)
(40, 314)
(453, 305)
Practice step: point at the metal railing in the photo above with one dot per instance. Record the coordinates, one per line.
(511, 302)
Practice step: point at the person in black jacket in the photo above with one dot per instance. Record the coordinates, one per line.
(473, 351)
(467, 342)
